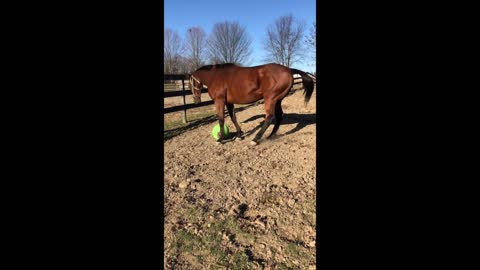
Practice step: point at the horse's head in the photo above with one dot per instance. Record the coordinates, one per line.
(196, 87)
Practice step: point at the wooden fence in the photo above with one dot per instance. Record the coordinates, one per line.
(182, 80)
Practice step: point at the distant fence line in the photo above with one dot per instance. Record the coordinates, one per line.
(181, 80)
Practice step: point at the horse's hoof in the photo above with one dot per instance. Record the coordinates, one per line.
(253, 143)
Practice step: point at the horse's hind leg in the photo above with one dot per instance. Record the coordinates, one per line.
(231, 112)
(268, 121)
(278, 117)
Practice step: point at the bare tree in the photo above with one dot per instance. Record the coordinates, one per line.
(180, 64)
(229, 43)
(172, 51)
(196, 43)
(284, 41)
(312, 40)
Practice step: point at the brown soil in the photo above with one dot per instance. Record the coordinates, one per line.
(238, 206)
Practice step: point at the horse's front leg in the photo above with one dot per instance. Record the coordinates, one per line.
(220, 108)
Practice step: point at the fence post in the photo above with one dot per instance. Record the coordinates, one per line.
(184, 103)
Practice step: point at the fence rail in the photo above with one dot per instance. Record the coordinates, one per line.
(179, 93)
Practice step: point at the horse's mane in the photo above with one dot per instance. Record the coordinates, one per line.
(208, 67)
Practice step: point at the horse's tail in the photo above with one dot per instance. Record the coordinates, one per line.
(307, 84)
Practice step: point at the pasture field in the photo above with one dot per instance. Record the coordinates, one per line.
(237, 206)
(174, 120)
(170, 87)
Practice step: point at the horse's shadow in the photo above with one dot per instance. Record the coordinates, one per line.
(302, 120)
(169, 134)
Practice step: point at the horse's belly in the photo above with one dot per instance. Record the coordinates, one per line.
(245, 99)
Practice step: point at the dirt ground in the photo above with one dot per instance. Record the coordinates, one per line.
(238, 206)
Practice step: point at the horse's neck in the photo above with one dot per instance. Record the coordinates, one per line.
(206, 77)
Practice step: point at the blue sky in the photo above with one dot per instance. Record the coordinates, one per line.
(255, 16)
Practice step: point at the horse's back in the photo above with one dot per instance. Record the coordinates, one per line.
(249, 84)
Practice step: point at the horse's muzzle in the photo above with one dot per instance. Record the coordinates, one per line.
(196, 100)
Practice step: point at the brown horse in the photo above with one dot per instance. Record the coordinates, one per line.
(229, 84)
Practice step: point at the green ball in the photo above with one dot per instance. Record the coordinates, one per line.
(216, 129)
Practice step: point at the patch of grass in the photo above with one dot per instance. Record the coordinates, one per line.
(176, 123)
(211, 243)
(219, 254)
(185, 241)
(240, 261)
(228, 224)
(246, 238)
(296, 252)
(200, 115)
(191, 215)
(293, 250)
(212, 238)
(173, 122)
